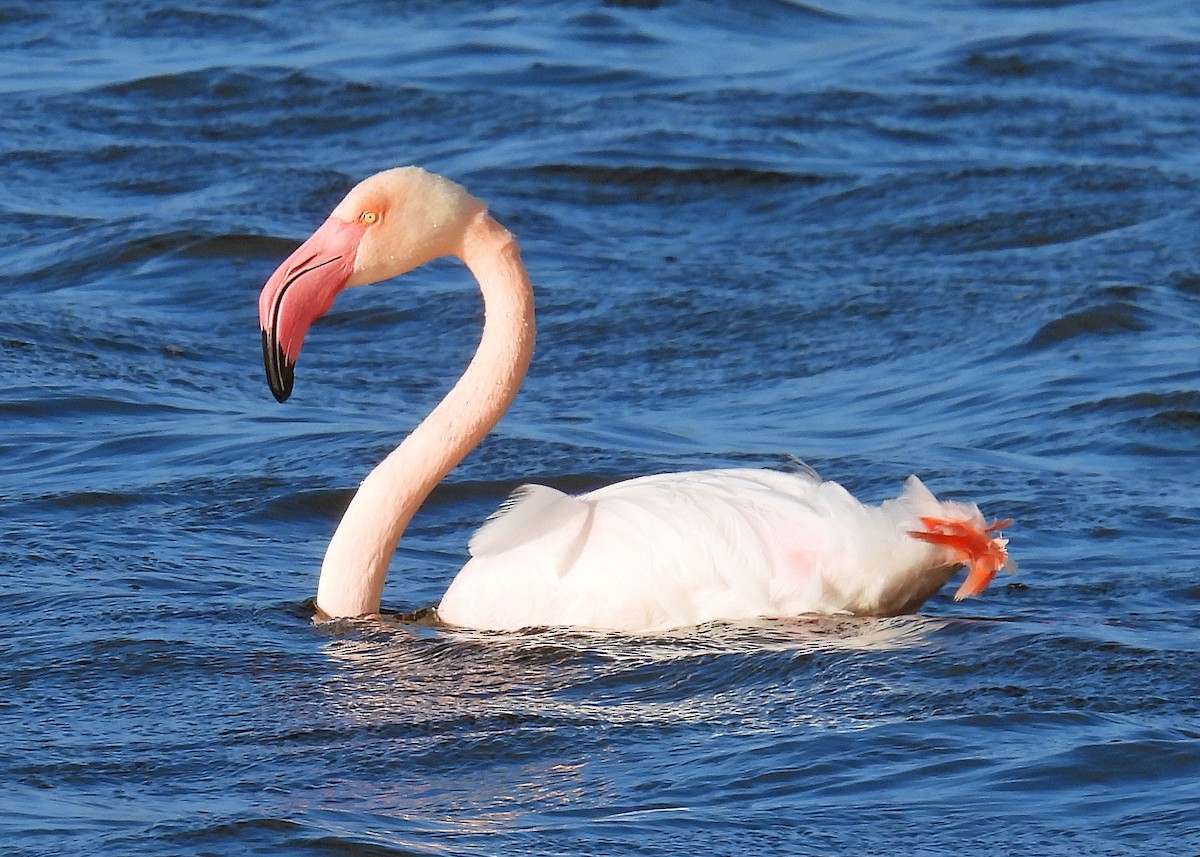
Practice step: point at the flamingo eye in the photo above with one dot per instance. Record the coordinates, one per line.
(368, 217)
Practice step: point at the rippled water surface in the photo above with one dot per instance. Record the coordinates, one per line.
(945, 238)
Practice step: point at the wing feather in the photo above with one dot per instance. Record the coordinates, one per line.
(539, 517)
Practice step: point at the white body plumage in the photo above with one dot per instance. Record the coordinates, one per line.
(682, 549)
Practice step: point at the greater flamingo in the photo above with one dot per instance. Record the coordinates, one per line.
(648, 554)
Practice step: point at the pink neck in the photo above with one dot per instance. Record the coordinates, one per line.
(356, 562)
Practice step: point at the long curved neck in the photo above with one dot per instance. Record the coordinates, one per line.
(356, 562)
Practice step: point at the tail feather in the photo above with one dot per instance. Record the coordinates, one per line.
(981, 548)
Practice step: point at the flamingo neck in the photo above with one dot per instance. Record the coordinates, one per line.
(356, 562)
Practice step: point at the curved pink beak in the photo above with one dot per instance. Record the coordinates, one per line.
(300, 291)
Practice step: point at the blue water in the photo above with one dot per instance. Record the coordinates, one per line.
(954, 239)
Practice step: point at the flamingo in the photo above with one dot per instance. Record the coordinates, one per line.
(649, 554)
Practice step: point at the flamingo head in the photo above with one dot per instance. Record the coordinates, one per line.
(388, 224)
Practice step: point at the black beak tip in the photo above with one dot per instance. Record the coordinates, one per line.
(281, 387)
(280, 371)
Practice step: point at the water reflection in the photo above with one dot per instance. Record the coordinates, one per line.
(469, 733)
(389, 672)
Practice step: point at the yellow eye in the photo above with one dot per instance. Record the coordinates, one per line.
(368, 217)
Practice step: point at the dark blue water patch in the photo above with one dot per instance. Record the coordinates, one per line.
(1113, 62)
(603, 29)
(946, 211)
(1187, 286)
(1175, 419)
(178, 23)
(174, 97)
(1109, 319)
(671, 185)
(234, 246)
(1164, 406)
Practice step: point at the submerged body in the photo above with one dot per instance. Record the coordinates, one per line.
(682, 549)
(648, 554)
